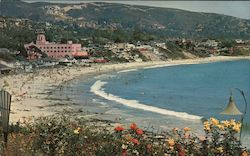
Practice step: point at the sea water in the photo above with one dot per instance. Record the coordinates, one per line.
(174, 96)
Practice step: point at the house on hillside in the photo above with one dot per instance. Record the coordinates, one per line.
(209, 43)
(239, 41)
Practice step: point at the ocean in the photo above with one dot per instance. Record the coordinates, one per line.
(166, 97)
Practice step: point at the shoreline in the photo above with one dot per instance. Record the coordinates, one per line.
(31, 92)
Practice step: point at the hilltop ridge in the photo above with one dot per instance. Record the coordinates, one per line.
(160, 21)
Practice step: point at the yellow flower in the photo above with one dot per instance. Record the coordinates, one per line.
(221, 127)
(214, 121)
(220, 149)
(186, 129)
(226, 123)
(171, 142)
(232, 122)
(207, 126)
(77, 131)
(236, 127)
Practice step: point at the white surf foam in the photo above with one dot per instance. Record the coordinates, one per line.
(97, 88)
(104, 76)
(127, 70)
(161, 65)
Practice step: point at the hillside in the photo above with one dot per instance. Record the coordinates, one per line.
(108, 16)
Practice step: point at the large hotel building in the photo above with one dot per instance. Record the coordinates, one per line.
(53, 50)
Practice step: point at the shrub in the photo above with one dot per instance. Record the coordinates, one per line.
(62, 135)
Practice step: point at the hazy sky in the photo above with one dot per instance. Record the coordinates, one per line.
(234, 8)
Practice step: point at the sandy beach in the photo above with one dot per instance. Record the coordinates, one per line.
(30, 90)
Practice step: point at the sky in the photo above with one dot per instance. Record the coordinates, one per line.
(239, 9)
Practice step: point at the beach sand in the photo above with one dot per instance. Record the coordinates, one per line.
(31, 91)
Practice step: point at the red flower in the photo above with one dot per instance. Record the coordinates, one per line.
(139, 131)
(181, 152)
(119, 128)
(135, 141)
(133, 126)
(124, 152)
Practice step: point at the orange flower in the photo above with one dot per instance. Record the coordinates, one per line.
(186, 136)
(244, 153)
(202, 138)
(171, 142)
(139, 131)
(119, 128)
(133, 126)
(186, 129)
(135, 141)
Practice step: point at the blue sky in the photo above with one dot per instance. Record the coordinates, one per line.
(233, 8)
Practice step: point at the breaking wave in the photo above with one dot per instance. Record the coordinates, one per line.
(97, 88)
(127, 70)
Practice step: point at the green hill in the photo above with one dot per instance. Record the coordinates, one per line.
(159, 21)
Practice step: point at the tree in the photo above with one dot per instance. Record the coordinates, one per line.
(228, 43)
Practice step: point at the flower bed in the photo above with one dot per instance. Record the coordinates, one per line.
(62, 135)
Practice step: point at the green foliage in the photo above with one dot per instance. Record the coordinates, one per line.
(172, 51)
(176, 23)
(136, 52)
(62, 135)
(228, 43)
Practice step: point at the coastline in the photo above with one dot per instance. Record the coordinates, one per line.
(30, 91)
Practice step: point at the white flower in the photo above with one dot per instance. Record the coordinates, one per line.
(124, 146)
(136, 152)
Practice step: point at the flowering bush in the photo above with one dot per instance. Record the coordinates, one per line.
(221, 137)
(62, 135)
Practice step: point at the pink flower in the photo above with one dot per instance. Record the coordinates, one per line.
(135, 141)
(139, 131)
